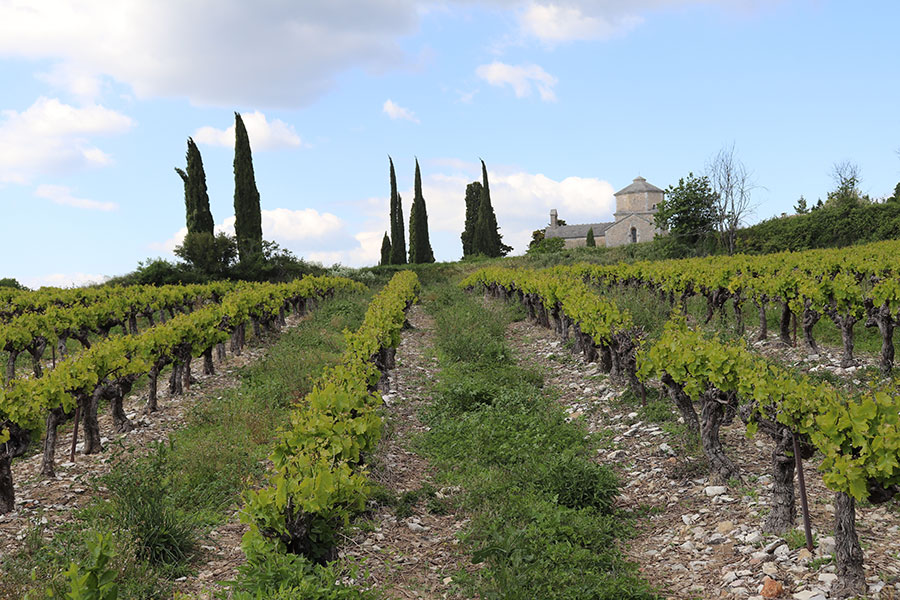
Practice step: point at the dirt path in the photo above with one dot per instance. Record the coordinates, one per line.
(411, 555)
(693, 544)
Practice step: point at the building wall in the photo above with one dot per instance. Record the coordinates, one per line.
(619, 233)
(638, 202)
(600, 240)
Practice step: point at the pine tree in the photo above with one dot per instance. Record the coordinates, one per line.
(385, 250)
(419, 244)
(196, 198)
(473, 201)
(248, 219)
(398, 237)
(590, 242)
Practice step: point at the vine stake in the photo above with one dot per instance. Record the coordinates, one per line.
(75, 432)
(803, 504)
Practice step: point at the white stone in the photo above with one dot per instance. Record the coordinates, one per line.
(715, 490)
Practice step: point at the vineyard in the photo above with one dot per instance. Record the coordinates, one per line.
(857, 436)
(536, 506)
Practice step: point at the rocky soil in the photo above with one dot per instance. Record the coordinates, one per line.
(698, 540)
(43, 505)
(411, 556)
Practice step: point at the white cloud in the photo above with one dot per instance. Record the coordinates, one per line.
(522, 201)
(85, 86)
(63, 280)
(577, 20)
(553, 23)
(264, 135)
(60, 194)
(230, 53)
(51, 137)
(395, 111)
(282, 225)
(367, 253)
(521, 78)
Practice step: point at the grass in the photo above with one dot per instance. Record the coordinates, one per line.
(542, 518)
(157, 504)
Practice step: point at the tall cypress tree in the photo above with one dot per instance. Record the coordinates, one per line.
(196, 198)
(248, 219)
(419, 244)
(487, 239)
(590, 242)
(385, 250)
(398, 237)
(473, 201)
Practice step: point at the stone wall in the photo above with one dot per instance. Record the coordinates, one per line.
(620, 233)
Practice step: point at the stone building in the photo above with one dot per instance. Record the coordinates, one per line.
(635, 208)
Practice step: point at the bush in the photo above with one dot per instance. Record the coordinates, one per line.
(547, 246)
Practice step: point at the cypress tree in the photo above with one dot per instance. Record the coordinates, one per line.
(196, 198)
(419, 244)
(590, 242)
(487, 239)
(398, 237)
(473, 201)
(248, 219)
(385, 250)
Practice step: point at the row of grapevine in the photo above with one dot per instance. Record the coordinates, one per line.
(846, 285)
(109, 368)
(859, 438)
(319, 478)
(51, 316)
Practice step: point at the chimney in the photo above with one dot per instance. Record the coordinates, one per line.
(553, 221)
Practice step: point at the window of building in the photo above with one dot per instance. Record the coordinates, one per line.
(634, 235)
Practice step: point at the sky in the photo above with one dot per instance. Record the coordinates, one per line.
(566, 102)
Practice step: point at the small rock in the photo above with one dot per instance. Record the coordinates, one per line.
(804, 554)
(771, 588)
(809, 595)
(770, 568)
(725, 527)
(715, 490)
(782, 550)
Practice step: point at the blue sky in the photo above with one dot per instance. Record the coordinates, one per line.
(565, 101)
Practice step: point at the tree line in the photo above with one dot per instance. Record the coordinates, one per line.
(480, 237)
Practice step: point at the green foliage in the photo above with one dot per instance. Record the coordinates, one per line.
(486, 238)
(318, 481)
(274, 575)
(385, 250)
(162, 530)
(842, 223)
(196, 199)
(547, 246)
(212, 255)
(589, 241)
(688, 211)
(248, 218)
(9, 282)
(796, 538)
(398, 236)
(540, 509)
(94, 581)
(474, 192)
(419, 244)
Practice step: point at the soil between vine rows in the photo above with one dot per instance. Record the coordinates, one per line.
(672, 493)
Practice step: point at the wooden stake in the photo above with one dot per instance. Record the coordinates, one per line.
(75, 432)
(798, 462)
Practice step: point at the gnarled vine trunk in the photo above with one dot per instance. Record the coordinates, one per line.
(848, 556)
(721, 469)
